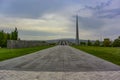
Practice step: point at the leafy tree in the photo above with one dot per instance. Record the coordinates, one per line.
(12, 36)
(1, 37)
(83, 43)
(97, 43)
(7, 36)
(89, 43)
(107, 42)
(4, 42)
(116, 42)
(44, 42)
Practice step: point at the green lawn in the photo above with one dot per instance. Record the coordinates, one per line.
(11, 53)
(108, 53)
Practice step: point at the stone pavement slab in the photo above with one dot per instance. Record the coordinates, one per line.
(32, 75)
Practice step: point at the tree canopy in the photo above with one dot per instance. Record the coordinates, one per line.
(116, 42)
(7, 36)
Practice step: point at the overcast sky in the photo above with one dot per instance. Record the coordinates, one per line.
(53, 19)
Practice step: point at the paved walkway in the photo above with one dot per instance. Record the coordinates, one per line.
(58, 63)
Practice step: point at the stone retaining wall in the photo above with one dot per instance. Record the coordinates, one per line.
(24, 43)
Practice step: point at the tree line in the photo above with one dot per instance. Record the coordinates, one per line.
(7, 36)
(106, 43)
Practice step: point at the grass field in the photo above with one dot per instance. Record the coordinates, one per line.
(11, 53)
(108, 53)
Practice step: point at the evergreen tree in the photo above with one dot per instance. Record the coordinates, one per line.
(14, 34)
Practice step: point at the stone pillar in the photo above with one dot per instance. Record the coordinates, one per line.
(77, 32)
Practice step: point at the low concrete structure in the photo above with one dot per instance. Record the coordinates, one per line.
(24, 43)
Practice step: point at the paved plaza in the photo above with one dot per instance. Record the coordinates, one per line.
(59, 63)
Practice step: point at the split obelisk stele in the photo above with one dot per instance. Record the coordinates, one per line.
(77, 31)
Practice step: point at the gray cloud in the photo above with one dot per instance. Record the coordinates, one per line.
(36, 33)
(112, 13)
(101, 10)
(100, 6)
(90, 23)
(1, 1)
(30, 8)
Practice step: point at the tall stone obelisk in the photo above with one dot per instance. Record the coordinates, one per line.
(77, 31)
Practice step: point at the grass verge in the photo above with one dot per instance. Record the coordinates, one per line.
(12, 53)
(107, 53)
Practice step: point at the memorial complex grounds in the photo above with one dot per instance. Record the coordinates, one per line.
(111, 54)
(12, 53)
(107, 53)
